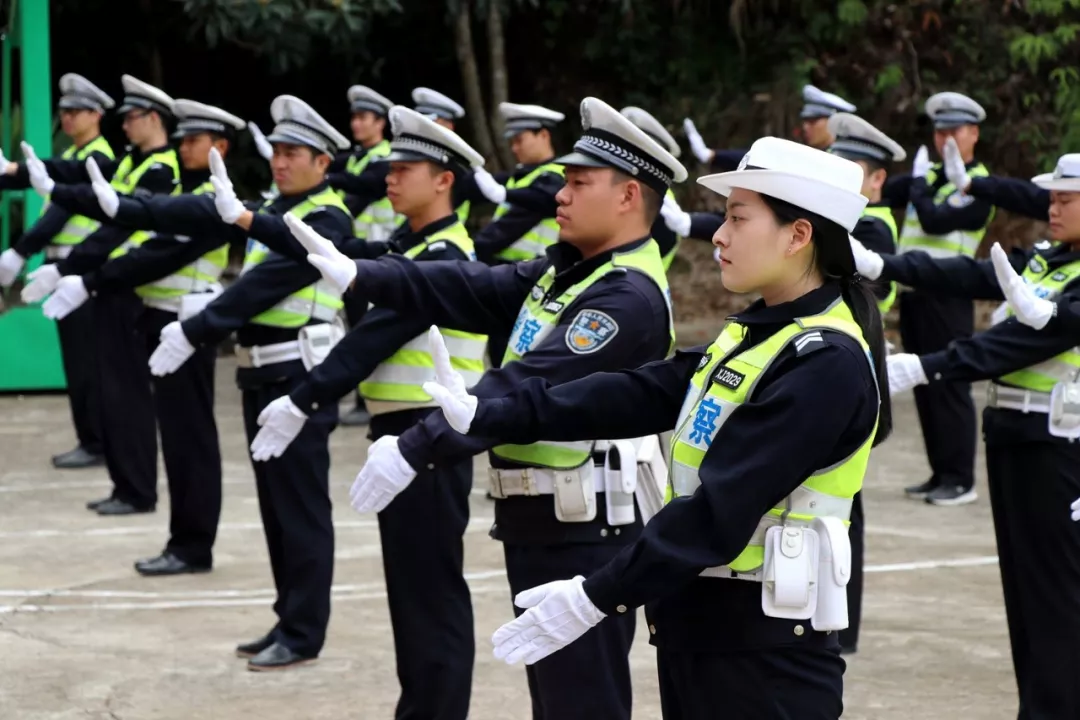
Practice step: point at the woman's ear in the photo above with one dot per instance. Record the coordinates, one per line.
(801, 233)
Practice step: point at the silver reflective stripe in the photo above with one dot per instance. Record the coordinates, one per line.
(684, 479)
(547, 233)
(413, 375)
(309, 308)
(186, 283)
(459, 347)
(530, 246)
(58, 252)
(1060, 371)
(79, 229)
(206, 267)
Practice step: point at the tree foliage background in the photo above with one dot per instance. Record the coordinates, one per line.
(735, 66)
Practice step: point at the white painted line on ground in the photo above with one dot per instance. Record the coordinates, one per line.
(934, 564)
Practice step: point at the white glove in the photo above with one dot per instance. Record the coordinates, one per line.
(697, 143)
(39, 176)
(1030, 309)
(676, 220)
(955, 170)
(448, 390)
(262, 145)
(1075, 507)
(11, 263)
(385, 474)
(337, 268)
(488, 185)
(172, 352)
(867, 262)
(905, 371)
(556, 614)
(42, 282)
(68, 297)
(921, 164)
(228, 205)
(106, 196)
(279, 422)
(5, 164)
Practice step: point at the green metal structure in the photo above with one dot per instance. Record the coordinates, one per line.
(29, 346)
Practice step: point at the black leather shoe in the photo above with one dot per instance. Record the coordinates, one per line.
(355, 417)
(116, 506)
(95, 504)
(277, 657)
(167, 564)
(80, 457)
(253, 648)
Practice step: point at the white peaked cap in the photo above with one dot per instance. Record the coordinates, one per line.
(818, 103)
(519, 118)
(1066, 175)
(139, 95)
(195, 117)
(418, 138)
(297, 123)
(652, 127)
(430, 102)
(78, 93)
(813, 180)
(362, 97)
(953, 109)
(611, 140)
(857, 139)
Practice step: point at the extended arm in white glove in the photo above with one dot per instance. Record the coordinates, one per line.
(279, 424)
(488, 185)
(1029, 308)
(68, 297)
(172, 351)
(556, 614)
(337, 268)
(42, 282)
(106, 196)
(39, 174)
(905, 371)
(449, 390)
(11, 263)
(921, 164)
(867, 262)
(228, 205)
(955, 170)
(385, 474)
(262, 145)
(697, 143)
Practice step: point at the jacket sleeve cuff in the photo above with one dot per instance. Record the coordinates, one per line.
(303, 397)
(603, 591)
(195, 329)
(416, 448)
(263, 225)
(91, 282)
(935, 365)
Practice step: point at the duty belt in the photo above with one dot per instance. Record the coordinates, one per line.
(263, 355)
(532, 482)
(1026, 401)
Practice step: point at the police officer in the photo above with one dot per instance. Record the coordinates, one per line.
(82, 105)
(598, 301)
(761, 480)
(1030, 428)
(174, 277)
(279, 311)
(386, 353)
(943, 222)
(127, 407)
(818, 107)
(1022, 197)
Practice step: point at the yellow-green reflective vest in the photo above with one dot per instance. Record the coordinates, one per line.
(397, 383)
(315, 302)
(540, 237)
(196, 277)
(1064, 367)
(670, 256)
(958, 242)
(80, 227)
(717, 390)
(378, 219)
(885, 215)
(538, 318)
(126, 179)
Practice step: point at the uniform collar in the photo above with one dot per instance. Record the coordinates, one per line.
(524, 169)
(1059, 254)
(404, 238)
(88, 142)
(192, 179)
(137, 154)
(814, 302)
(283, 203)
(570, 268)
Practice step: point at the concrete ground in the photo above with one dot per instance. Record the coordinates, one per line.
(82, 636)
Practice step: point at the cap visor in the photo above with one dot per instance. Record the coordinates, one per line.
(1046, 181)
(291, 140)
(73, 104)
(408, 156)
(126, 108)
(576, 159)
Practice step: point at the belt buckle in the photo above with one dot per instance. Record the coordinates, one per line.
(495, 483)
(992, 395)
(528, 483)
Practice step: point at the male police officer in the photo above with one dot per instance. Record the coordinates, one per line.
(82, 105)
(944, 222)
(599, 301)
(126, 409)
(387, 354)
(174, 277)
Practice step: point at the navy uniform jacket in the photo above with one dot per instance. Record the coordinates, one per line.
(476, 298)
(528, 206)
(94, 251)
(1018, 196)
(1005, 347)
(774, 442)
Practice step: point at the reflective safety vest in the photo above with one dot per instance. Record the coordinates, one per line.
(1064, 367)
(670, 257)
(197, 277)
(378, 219)
(958, 242)
(80, 227)
(885, 215)
(397, 383)
(725, 382)
(540, 237)
(126, 179)
(538, 318)
(319, 301)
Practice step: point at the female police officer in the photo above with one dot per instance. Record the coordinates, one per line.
(1032, 459)
(773, 426)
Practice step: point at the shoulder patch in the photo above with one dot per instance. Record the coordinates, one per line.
(1034, 265)
(705, 359)
(437, 246)
(960, 200)
(590, 331)
(536, 292)
(808, 343)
